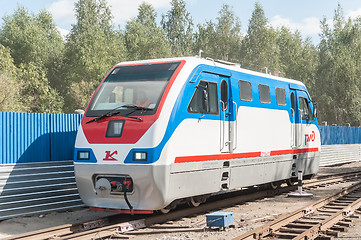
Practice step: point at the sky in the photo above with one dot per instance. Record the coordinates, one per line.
(302, 15)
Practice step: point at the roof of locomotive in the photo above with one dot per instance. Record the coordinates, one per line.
(195, 61)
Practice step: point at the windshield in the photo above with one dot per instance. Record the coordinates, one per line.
(140, 85)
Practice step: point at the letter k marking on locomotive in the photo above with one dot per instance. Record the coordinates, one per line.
(109, 156)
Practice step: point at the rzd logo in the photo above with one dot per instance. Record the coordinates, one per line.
(109, 156)
(310, 137)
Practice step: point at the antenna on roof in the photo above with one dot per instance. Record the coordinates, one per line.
(266, 68)
(200, 53)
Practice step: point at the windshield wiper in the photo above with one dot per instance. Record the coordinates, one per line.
(114, 112)
(136, 107)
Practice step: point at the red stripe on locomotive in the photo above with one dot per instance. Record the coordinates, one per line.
(239, 155)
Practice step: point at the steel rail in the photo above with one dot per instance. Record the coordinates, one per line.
(104, 228)
(112, 230)
(62, 230)
(43, 233)
(270, 228)
(326, 224)
(331, 179)
(344, 174)
(71, 231)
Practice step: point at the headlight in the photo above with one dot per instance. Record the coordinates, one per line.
(83, 155)
(140, 156)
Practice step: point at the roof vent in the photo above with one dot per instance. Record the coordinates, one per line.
(228, 63)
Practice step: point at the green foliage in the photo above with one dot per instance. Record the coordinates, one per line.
(178, 27)
(220, 40)
(32, 38)
(339, 80)
(92, 48)
(143, 38)
(25, 88)
(228, 33)
(36, 93)
(259, 49)
(298, 58)
(10, 88)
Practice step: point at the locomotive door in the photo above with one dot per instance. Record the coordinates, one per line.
(228, 141)
(301, 117)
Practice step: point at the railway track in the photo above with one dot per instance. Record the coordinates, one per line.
(323, 219)
(118, 225)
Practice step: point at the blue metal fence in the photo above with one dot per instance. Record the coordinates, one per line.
(37, 137)
(331, 135)
(63, 129)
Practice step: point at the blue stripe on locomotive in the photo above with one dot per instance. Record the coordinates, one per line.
(180, 113)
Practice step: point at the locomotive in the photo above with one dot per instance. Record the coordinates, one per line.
(161, 132)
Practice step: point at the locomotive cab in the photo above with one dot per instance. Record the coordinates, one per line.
(118, 120)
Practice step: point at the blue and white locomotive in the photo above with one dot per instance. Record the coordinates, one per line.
(160, 132)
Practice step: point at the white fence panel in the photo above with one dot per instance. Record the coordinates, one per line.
(339, 154)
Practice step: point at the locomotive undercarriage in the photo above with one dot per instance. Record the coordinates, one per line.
(156, 187)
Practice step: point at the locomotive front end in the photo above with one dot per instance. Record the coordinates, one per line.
(116, 162)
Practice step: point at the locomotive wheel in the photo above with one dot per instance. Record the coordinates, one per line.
(194, 202)
(274, 185)
(290, 182)
(165, 210)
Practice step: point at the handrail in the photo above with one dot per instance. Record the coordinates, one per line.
(236, 127)
(222, 126)
(299, 135)
(293, 126)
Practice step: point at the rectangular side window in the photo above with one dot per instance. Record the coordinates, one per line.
(264, 93)
(205, 99)
(245, 90)
(281, 96)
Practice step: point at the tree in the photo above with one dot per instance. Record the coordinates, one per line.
(36, 93)
(143, 38)
(205, 39)
(221, 40)
(178, 27)
(33, 39)
(298, 58)
(259, 50)
(36, 47)
(339, 82)
(92, 48)
(228, 33)
(10, 88)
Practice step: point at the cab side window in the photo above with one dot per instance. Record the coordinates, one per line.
(306, 113)
(205, 99)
